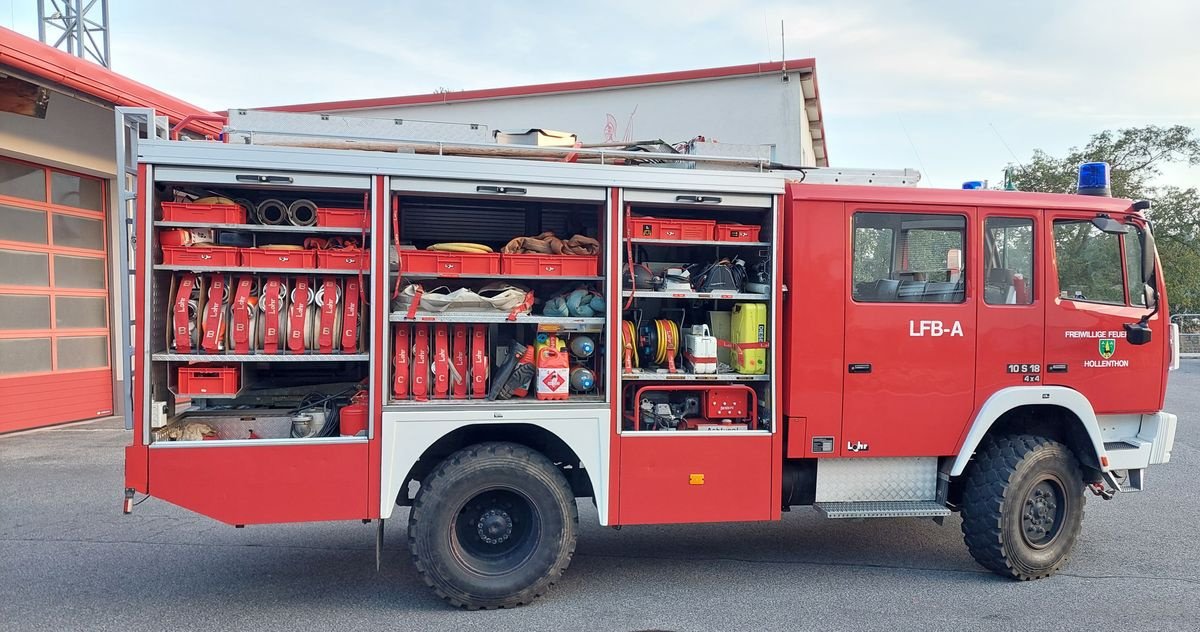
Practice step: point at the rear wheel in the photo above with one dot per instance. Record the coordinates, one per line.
(493, 526)
(1022, 506)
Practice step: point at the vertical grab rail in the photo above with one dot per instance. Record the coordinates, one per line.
(132, 125)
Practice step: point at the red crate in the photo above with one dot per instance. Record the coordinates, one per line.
(201, 255)
(342, 259)
(343, 218)
(208, 381)
(550, 265)
(689, 229)
(449, 263)
(644, 227)
(203, 213)
(737, 232)
(273, 258)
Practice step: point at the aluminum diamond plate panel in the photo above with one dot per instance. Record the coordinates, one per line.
(855, 480)
(884, 509)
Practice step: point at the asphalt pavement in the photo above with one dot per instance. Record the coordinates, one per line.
(70, 560)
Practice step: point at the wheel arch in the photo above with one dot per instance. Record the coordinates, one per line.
(1056, 412)
(444, 441)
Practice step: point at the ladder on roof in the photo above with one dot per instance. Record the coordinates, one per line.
(327, 131)
(133, 125)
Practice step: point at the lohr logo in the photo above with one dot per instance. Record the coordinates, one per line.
(1108, 346)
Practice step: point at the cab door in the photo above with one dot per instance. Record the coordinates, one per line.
(1097, 277)
(910, 330)
(1012, 304)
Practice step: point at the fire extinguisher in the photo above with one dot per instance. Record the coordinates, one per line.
(352, 418)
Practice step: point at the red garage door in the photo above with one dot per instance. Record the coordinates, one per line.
(54, 351)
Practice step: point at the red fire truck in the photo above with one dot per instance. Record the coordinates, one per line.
(333, 334)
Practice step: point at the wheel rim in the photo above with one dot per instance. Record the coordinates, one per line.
(496, 531)
(1042, 513)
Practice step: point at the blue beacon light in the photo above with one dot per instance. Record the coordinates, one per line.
(1094, 179)
(973, 184)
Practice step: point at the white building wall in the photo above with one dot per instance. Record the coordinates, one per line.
(757, 109)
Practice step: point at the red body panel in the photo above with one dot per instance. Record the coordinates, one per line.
(813, 355)
(657, 484)
(920, 389)
(264, 484)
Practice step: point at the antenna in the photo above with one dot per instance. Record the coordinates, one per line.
(782, 47)
(79, 24)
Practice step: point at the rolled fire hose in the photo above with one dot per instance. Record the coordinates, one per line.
(273, 212)
(302, 213)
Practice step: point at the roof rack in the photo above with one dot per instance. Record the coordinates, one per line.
(326, 131)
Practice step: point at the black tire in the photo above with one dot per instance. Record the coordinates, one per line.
(493, 526)
(1022, 506)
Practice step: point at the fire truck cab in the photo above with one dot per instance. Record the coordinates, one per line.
(331, 334)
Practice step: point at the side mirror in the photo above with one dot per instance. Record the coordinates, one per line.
(1109, 225)
(1138, 333)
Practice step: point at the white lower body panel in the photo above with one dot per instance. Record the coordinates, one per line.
(407, 434)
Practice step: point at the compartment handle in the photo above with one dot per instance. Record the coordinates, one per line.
(488, 188)
(699, 199)
(264, 179)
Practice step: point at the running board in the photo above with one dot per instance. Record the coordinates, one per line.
(884, 509)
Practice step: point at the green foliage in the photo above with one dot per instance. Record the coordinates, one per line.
(1137, 156)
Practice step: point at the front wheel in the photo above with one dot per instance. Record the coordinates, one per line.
(1022, 506)
(493, 526)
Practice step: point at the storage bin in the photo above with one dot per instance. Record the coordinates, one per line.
(644, 227)
(203, 213)
(737, 232)
(272, 258)
(343, 218)
(687, 229)
(342, 259)
(550, 265)
(201, 256)
(208, 381)
(449, 263)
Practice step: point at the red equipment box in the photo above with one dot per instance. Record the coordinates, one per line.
(644, 227)
(449, 263)
(204, 213)
(737, 232)
(343, 218)
(208, 381)
(550, 265)
(272, 258)
(201, 255)
(342, 259)
(727, 402)
(687, 229)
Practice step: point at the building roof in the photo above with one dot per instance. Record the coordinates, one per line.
(812, 98)
(36, 60)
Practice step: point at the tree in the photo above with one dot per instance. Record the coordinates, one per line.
(1136, 156)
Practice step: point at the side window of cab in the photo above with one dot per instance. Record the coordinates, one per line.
(1089, 263)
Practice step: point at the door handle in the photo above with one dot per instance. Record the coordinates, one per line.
(1056, 368)
(860, 368)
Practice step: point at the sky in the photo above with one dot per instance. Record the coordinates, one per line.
(955, 89)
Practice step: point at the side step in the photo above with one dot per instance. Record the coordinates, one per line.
(884, 509)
